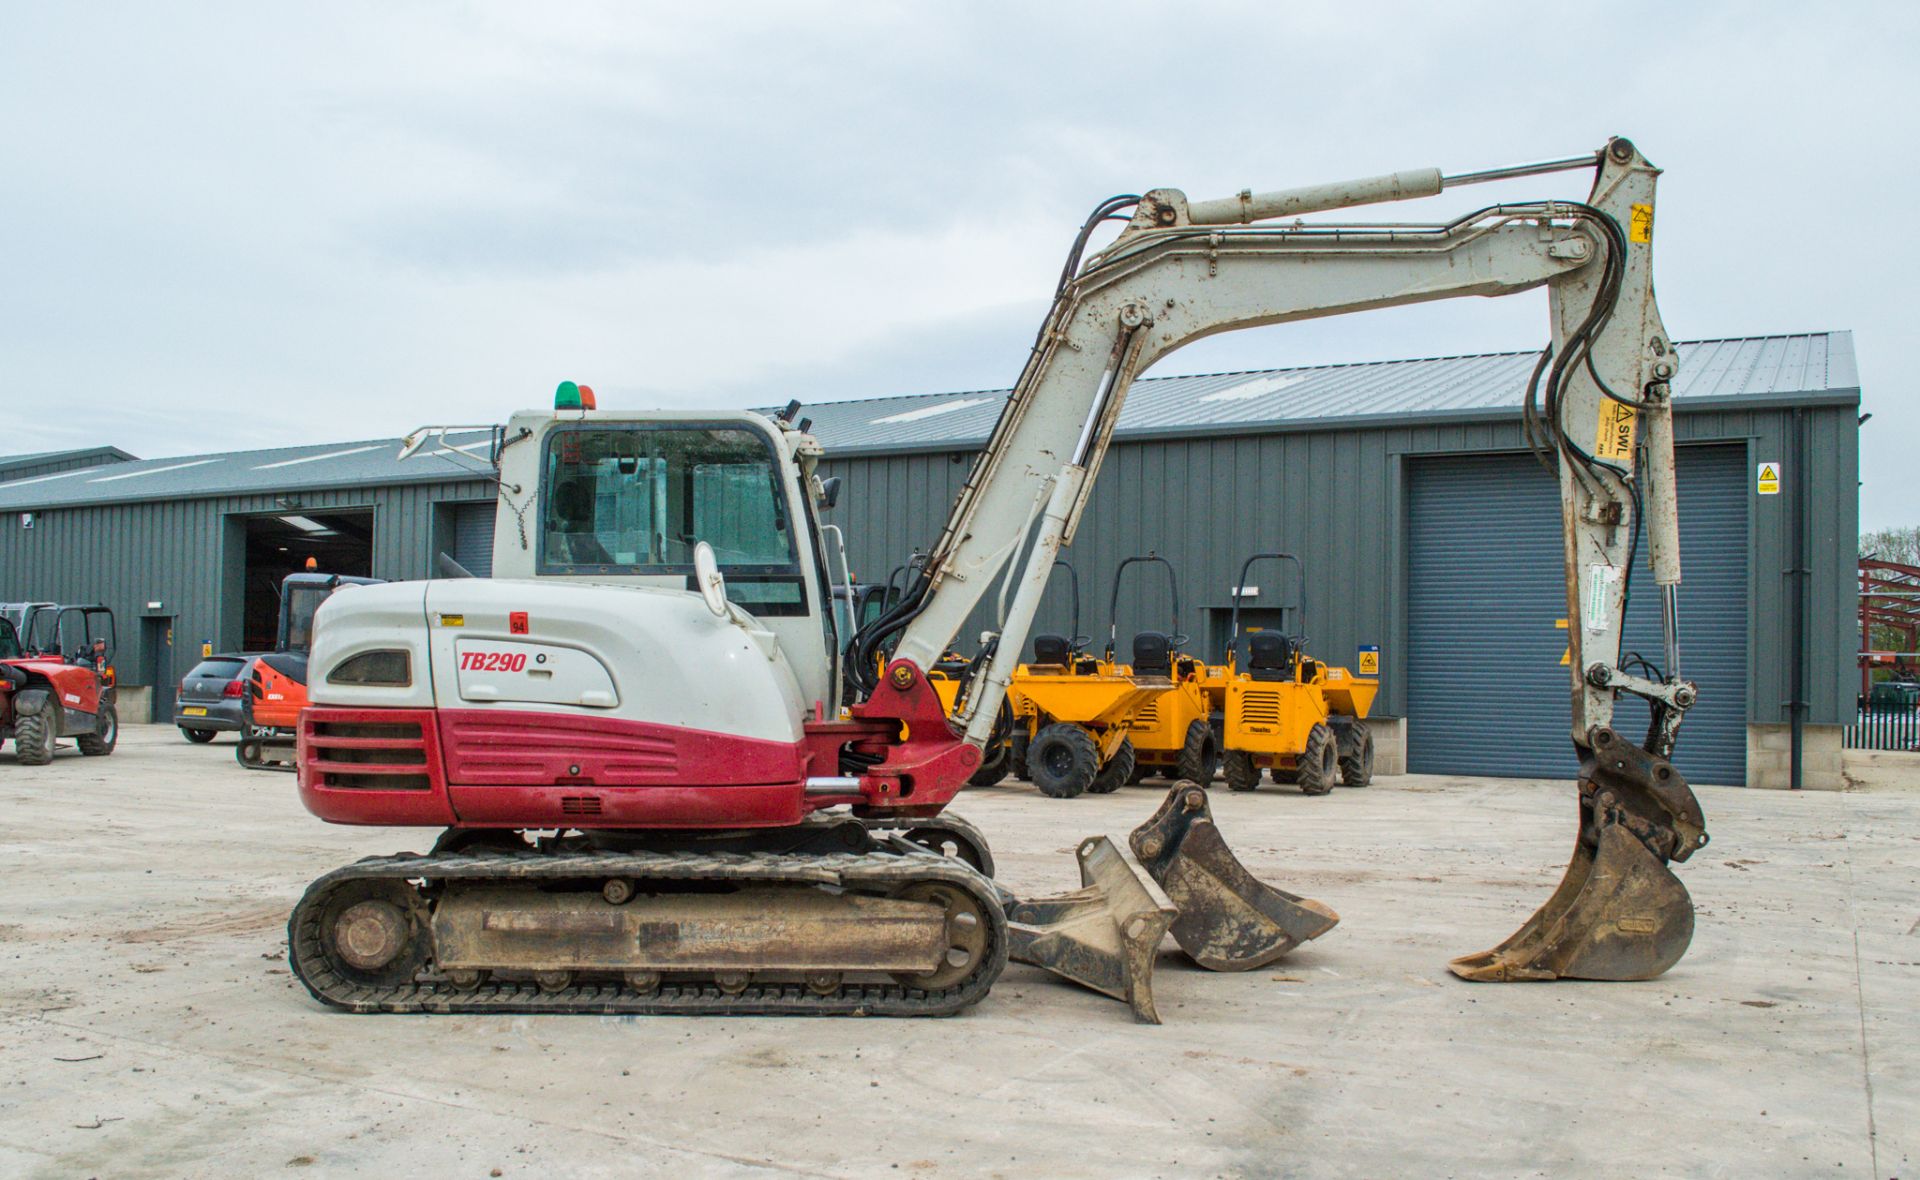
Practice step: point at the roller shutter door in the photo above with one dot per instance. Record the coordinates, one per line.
(473, 538)
(1487, 692)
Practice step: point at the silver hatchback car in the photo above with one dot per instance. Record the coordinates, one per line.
(213, 697)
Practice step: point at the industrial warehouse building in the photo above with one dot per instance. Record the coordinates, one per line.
(1430, 538)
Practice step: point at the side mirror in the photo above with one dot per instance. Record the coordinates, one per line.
(829, 492)
(711, 582)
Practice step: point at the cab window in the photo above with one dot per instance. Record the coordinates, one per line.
(637, 500)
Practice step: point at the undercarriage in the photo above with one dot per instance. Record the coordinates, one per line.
(579, 924)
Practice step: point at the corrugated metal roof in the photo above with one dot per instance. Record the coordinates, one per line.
(370, 463)
(1794, 367)
(46, 458)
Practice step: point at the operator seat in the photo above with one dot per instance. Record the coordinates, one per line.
(1153, 654)
(573, 509)
(1269, 656)
(1051, 649)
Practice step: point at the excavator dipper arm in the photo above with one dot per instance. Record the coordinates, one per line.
(1599, 408)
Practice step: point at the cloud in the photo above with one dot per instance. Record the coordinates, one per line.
(238, 225)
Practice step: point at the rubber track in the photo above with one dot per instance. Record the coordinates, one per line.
(268, 746)
(882, 871)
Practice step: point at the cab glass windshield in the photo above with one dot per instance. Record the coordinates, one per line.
(636, 500)
(302, 602)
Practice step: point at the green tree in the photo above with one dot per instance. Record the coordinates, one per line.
(1900, 544)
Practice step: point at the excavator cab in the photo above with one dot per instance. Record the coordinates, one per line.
(276, 687)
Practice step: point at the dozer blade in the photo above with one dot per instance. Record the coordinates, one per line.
(1103, 935)
(1619, 912)
(1228, 920)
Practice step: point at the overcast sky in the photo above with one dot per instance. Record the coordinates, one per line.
(228, 226)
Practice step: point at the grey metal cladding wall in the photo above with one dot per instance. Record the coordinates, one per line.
(1334, 498)
(1202, 504)
(1488, 689)
(1833, 511)
(127, 555)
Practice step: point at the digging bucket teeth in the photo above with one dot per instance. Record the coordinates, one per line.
(1619, 913)
(1228, 920)
(1103, 935)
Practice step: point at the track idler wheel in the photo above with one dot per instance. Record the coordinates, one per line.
(1619, 912)
(1103, 936)
(371, 933)
(967, 930)
(1228, 920)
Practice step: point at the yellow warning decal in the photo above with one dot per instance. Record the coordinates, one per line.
(1614, 439)
(1640, 223)
(453, 620)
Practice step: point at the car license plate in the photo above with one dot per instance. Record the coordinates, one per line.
(193, 711)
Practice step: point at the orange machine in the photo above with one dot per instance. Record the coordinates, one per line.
(277, 683)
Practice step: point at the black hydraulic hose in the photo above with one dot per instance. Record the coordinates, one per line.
(869, 639)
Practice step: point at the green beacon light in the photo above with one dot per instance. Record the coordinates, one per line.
(570, 396)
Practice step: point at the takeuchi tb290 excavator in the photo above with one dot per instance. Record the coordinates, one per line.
(652, 675)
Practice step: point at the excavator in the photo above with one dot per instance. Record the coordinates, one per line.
(277, 680)
(653, 798)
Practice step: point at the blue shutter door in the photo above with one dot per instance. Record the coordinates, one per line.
(473, 538)
(1486, 692)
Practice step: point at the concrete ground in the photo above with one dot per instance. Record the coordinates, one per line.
(150, 1027)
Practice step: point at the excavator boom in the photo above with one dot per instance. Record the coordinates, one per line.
(1599, 408)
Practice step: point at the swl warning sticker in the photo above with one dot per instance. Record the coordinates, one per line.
(1614, 439)
(1640, 223)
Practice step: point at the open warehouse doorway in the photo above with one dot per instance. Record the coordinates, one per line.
(336, 542)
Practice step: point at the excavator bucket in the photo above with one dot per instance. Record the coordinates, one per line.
(1103, 935)
(1228, 920)
(1619, 912)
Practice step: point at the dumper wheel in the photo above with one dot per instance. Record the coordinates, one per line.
(993, 767)
(1117, 772)
(1240, 771)
(33, 738)
(1063, 760)
(1141, 771)
(1017, 755)
(1356, 755)
(1199, 756)
(1318, 764)
(106, 732)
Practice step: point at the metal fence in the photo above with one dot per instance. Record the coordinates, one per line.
(1884, 731)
